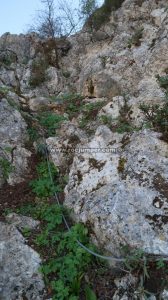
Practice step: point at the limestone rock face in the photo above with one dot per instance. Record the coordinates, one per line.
(13, 127)
(119, 187)
(112, 109)
(21, 222)
(13, 135)
(19, 44)
(62, 148)
(128, 61)
(39, 103)
(19, 264)
(117, 182)
(100, 85)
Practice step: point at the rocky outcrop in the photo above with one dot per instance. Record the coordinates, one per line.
(39, 103)
(129, 60)
(19, 264)
(13, 135)
(118, 185)
(21, 222)
(117, 181)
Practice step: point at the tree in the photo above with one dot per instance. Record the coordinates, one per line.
(102, 14)
(88, 7)
(58, 19)
(48, 25)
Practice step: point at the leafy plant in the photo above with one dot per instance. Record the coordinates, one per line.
(66, 74)
(69, 264)
(163, 81)
(121, 164)
(157, 115)
(72, 104)
(106, 120)
(160, 264)
(90, 295)
(6, 167)
(7, 57)
(90, 112)
(124, 127)
(102, 14)
(141, 292)
(103, 60)
(66, 261)
(43, 186)
(26, 232)
(50, 122)
(136, 38)
(135, 260)
(4, 91)
(33, 134)
(38, 72)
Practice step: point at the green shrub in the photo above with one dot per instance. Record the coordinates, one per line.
(50, 122)
(90, 112)
(163, 81)
(6, 167)
(72, 103)
(102, 14)
(106, 120)
(103, 60)
(43, 187)
(66, 74)
(38, 72)
(4, 91)
(33, 134)
(125, 127)
(7, 57)
(136, 38)
(121, 164)
(66, 262)
(157, 115)
(134, 260)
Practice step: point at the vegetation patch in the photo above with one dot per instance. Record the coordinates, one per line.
(7, 57)
(6, 167)
(136, 38)
(121, 124)
(73, 104)
(33, 134)
(90, 112)
(43, 187)
(96, 164)
(157, 115)
(152, 273)
(102, 14)
(66, 74)
(38, 72)
(121, 164)
(65, 261)
(4, 91)
(50, 122)
(163, 81)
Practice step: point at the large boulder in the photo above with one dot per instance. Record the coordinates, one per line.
(13, 135)
(62, 147)
(39, 103)
(19, 266)
(129, 60)
(119, 186)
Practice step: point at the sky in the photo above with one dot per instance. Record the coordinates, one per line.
(16, 16)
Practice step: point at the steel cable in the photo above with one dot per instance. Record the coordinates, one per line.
(78, 242)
